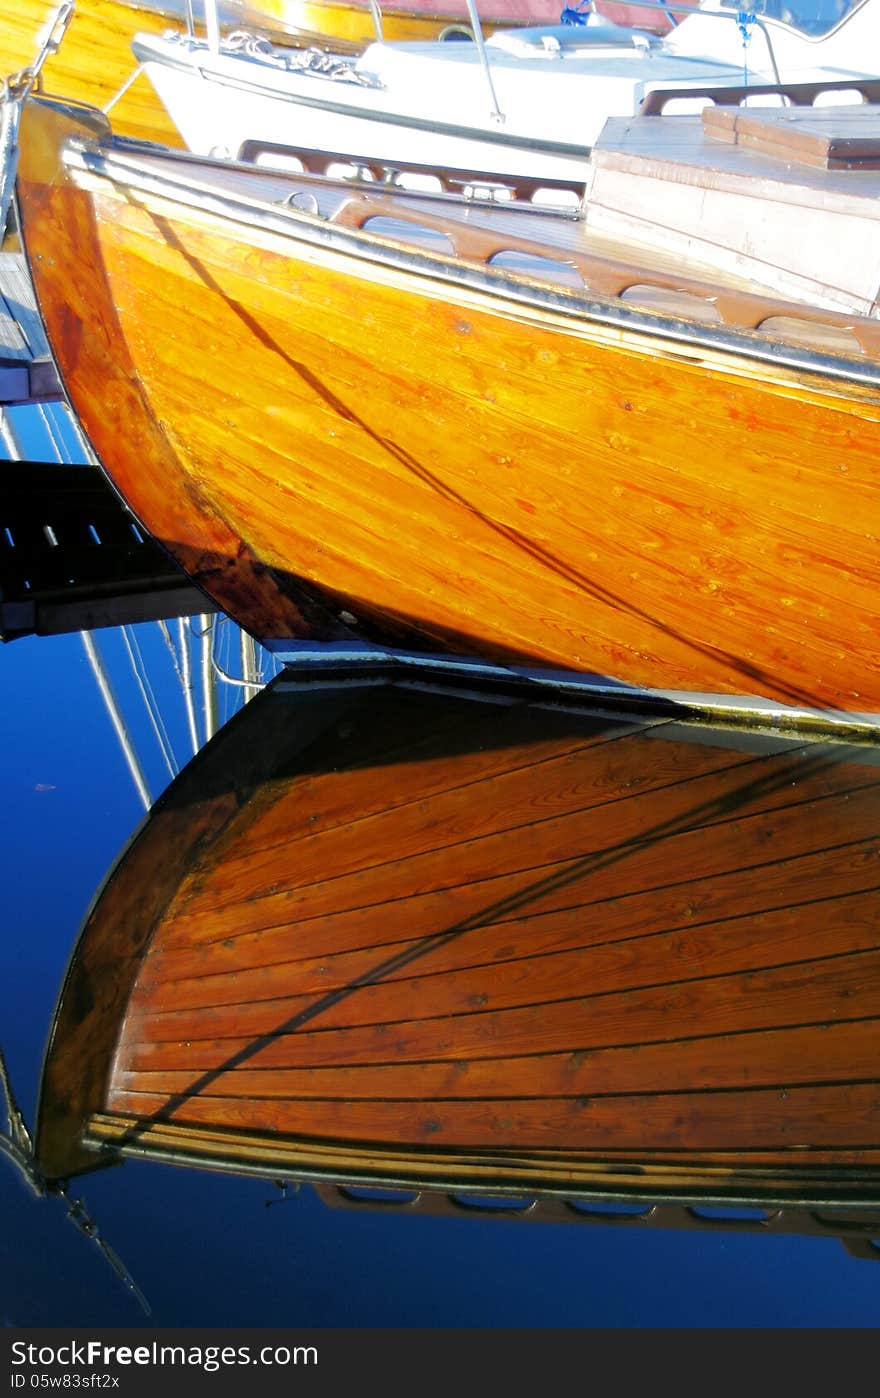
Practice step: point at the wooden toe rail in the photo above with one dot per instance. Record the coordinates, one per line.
(610, 278)
(798, 94)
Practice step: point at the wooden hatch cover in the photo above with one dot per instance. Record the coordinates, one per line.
(826, 138)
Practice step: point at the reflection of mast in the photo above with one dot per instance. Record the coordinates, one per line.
(115, 713)
(187, 684)
(249, 665)
(209, 680)
(9, 436)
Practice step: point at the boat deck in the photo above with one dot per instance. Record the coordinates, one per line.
(787, 198)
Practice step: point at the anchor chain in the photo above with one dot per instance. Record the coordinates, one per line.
(14, 91)
(18, 86)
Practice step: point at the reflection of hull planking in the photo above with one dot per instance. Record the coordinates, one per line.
(381, 935)
(653, 490)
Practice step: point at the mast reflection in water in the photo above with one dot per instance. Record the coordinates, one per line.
(401, 937)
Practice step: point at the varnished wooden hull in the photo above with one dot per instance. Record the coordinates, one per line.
(94, 60)
(381, 935)
(424, 19)
(338, 440)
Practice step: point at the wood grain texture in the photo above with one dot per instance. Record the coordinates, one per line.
(706, 996)
(315, 438)
(94, 59)
(423, 19)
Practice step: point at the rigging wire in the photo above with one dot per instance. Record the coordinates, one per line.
(154, 712)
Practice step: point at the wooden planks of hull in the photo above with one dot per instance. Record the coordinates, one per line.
(706, 998)
(94, 60)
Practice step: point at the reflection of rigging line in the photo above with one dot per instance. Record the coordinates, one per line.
(213, 640)
(154, 713)
(17, 1146)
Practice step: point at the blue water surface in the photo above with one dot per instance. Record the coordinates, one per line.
(205, 1249)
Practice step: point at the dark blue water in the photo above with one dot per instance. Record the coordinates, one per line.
(205, 1249)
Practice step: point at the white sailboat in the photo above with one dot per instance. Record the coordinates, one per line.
(527, 102)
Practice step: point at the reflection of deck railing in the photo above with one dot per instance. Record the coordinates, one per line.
(858, 1230)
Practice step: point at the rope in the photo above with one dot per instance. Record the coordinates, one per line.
(744, 21)
(577, 15)
(310, 60)
(132, 78)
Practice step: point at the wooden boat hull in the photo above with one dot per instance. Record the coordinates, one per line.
(373, 934)
(424, 19)
(528, 475)
(94, 60)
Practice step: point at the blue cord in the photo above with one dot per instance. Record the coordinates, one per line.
(744, 21)
(578, 15)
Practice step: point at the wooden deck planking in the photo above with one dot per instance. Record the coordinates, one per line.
(219, 287)
(687, 917)
(745, 630)
(549, 979)
(814, 1054)
(560, 801)
(675, 903)
(360, 805)
(834, 1118)
(642, 498)
(527, 871)
(332, 1030)
(639, 1173)
(389, 985)
(551, 793)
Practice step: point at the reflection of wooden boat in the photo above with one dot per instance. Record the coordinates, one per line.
(857, 1227)
(527, 102)
(376, 934)
(422, 19)
(667, 481)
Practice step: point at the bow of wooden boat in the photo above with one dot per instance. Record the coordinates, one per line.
(61, 234)
(217, 329)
